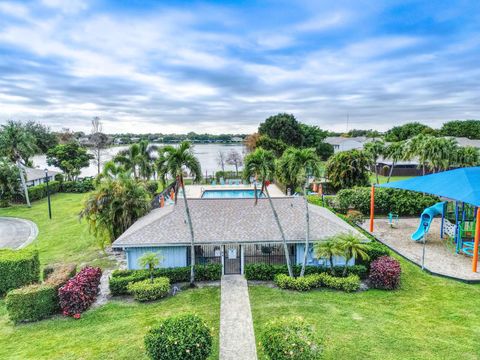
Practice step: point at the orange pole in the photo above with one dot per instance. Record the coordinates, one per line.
(172, 195)
(162, 201)
(372, 207)
(475, 244)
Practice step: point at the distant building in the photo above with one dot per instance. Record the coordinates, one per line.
(346, 143)
(236, 139)
(463, 141)
(37, 176)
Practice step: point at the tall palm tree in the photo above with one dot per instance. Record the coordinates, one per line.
(352, 247)
(18, 146)
(375, 149)
(300, 164)
(440, 153)
(145, 160)
(415, 147)
(467, 156)
(111, 170)
(260, 164)
(175, 161)
(394, 151)
(327, 248)
(129, 158)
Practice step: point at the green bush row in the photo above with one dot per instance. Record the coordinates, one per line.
(401, 202)
(146, 290)
(38, 301)
(18, 268)
(266, 272)
(121, 278)
(313, 281)
(38, 192)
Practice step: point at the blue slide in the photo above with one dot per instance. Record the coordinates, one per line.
(426, 219)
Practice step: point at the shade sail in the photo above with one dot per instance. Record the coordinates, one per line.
(459, 184)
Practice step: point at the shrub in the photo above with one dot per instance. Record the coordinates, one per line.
(385, 273)
(313, 281)
(184, 337)
(145, 290)
(386, 200)
(121, 278)
(38, 301)
(355, 216)
(152, 187)
(18, 268)
(82, 186)
(38, 192)
(266, 272)
(291, 339)
(80, 292)
(375, 250)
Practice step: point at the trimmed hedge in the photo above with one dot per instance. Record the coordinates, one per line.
(80, 292)
(145, 290)
(83, 186)
(183, 337)
(38, 301)
(121, 278)
(266, 272)
(38, 192)
(349, 284)
(18, 268)
(401, 202)
(291, 339)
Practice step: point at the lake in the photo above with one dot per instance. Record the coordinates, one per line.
(206, 153)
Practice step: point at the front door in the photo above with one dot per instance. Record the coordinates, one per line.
(232, 259)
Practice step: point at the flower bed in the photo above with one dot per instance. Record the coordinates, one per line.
(38, 301)
(121, 278)
(80, 292)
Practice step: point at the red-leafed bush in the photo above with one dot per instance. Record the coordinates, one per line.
(385, 273)
(80, 291)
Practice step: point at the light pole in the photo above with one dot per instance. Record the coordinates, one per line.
(48, 195)
(425, 231)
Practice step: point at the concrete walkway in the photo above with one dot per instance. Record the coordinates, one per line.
(16, 233)
(237, 339)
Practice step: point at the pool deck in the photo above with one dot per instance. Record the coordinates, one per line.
(195, 191)
(440, 258)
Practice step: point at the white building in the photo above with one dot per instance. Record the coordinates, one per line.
(346, 143)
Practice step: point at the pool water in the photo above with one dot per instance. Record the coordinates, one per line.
(230, 194)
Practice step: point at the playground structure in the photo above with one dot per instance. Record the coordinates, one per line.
(460, 218)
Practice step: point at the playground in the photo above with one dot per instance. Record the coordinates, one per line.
(444, 238)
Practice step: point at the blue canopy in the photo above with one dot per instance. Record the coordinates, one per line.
(459, 184)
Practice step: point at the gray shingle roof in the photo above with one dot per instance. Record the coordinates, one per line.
(231, 220)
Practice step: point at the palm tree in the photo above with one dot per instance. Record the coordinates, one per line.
(175, 161)
(352, 246)
(394, 151)
(440, 153)
(327, 249)
(299, 164)
(415, 147)
(375, 149)
(18, 146)
(129, 158)
(145, 159)
(111, 171)
(150, 260)
(261, 164)
(467, 156)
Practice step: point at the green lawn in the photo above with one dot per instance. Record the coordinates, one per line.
(114, 331)
(383, 179)
(64, 238)
(429, 318)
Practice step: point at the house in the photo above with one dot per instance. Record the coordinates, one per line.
(340, 143)
(463, 141)
(37, 176)
(231, 232)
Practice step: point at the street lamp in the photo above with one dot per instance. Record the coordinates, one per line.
(48, 195)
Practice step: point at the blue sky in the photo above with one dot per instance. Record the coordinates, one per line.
(224, 66)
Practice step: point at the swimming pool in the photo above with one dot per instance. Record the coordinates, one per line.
(230, 194)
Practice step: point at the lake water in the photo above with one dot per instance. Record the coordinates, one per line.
(207, 154)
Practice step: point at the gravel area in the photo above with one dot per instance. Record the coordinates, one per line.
(440, 258)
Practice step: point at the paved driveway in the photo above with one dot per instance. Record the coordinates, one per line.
(16, 233)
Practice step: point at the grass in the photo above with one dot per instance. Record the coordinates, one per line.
(113, 331)
(64, 238)
(383, 179)
(428, 318)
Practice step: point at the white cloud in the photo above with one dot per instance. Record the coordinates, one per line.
(66, 6)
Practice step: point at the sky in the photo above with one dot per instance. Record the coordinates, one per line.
(225, 66)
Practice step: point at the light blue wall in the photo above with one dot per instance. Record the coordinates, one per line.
(172, 256)
(311, 260)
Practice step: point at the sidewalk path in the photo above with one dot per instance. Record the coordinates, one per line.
(237, 339)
